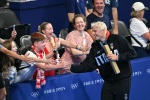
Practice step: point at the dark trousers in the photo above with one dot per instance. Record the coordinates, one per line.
(141, 52)
(119, 90)
(7, 85)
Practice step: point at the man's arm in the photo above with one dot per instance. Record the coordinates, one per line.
(70, 17)
(2, 93)
(87, 13)
(115, 19)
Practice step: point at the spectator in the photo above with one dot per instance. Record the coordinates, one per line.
(74, 7)
(110, 6)
(8, 17)
(97, 15)
(2, 88)
(37, 51)
(116, 86)
(10, 53)
(47, 29)
(139, 30)
(8, 69)
(80, 37)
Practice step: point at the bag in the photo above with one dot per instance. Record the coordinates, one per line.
(21, 51)
(148, 46)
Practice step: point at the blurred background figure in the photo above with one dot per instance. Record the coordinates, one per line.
(139, 30)
(7, 16)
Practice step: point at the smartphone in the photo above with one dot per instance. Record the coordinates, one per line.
(13, 27)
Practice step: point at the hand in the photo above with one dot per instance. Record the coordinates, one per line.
(98, 71)
(27, 59)
(52, 61)
(83, 48)
(64, 64)
(115, 31)
(13, 34)
(112, 57)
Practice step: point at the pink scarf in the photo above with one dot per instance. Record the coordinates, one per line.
(40, 78)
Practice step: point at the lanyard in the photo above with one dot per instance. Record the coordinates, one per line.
(102, 44)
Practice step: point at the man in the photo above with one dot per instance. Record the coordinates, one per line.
(36, 51)
(8, 17)
(74, 7)
(110, 6)
(97, 15)
(2, 88)
(116, 86)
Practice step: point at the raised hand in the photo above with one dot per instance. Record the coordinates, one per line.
(13, 34)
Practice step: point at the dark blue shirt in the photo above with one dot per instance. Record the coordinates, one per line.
(93, 18)
(76, 7)
(109, 4)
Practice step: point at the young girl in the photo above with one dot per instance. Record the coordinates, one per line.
(8, 69)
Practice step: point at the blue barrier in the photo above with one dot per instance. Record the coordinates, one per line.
(83, 86)
(140, 89)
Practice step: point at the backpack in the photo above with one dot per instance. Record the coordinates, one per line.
(21, 51)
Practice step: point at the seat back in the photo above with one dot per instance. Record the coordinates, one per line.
(123, 30)
(21, 29)
(63, 33)
(25, 40)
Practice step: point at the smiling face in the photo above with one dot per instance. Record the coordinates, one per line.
(99, 30)
(99, 34)
(99, 6)
(40, 45)
(79, 23)
(14, 47)
(48, 31)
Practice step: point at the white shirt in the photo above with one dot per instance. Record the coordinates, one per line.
(137, 29)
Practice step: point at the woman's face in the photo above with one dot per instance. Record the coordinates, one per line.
(48, 30)
(142, 13)
(79, 24)
(14, 47)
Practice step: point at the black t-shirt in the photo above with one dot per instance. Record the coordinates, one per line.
(1, 82)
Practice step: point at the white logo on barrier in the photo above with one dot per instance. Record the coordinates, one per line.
(74, 86)
(148, 71)
(35, 94)
(137, 73)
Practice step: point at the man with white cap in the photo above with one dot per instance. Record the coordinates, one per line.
(139, 30)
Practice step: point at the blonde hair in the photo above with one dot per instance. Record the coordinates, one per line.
(99, 25)
(136, 14)
(42, 26)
